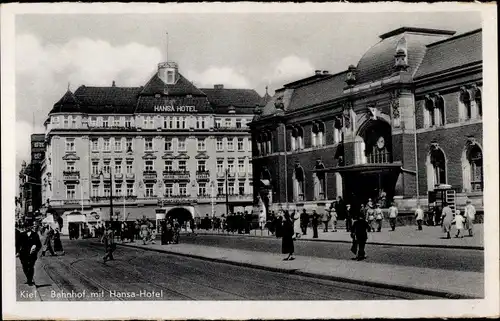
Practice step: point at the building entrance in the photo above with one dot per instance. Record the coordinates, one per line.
(376, 185)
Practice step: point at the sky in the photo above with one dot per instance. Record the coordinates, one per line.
(239, 50)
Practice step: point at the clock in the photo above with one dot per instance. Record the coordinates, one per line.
(381, 142)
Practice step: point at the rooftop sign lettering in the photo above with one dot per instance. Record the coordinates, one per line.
(173, 109)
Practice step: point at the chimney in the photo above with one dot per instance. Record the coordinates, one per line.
(113, 84)
(317, 72)
(325, 72)
(219, 86)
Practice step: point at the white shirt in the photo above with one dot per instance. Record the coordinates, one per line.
(470, 212)
(419, 213)
(393, 211)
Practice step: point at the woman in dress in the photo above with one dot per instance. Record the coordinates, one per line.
(296, 224)
(288, 236)
(446, 219)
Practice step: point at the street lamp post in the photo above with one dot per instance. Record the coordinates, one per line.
(110, 194)
(227, 192)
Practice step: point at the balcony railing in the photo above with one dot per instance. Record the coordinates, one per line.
(119, 176)
(203, 175)
(71, 175)
(221, 174)
(95, 177)
(176, 175)
(149, 174)
(235, 197)
(242, 174)
(130, 176)
(378, 158)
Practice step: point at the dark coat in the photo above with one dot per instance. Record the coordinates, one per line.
(341, 209)
(359, 229)
(26, 242)
(288, 233)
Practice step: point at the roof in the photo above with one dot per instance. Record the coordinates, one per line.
(378, 61)
(67, 103)
(149, 104)
(181, 87)
(222, 97)
(323, 90)
(454, 52)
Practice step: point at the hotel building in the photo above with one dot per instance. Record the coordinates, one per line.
(167, 144)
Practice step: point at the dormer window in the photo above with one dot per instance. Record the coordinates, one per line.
(170, 76)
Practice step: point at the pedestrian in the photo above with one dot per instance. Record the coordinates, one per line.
(47, 242)
(177, 230)
(315, 222)
(278, 224)
(296, 224)
(333, 215)
(325, 219)
(262, 220)
(393, 214)
(288, 237)
(419, 216)
(348, 217)
(304, 221)
(145, 233)
(370, 216)
(108, 239)
(28, 247)
(341, 209)
(379, 216)
(459, 223)
(359, 235)
(446, 219)
(57, 241)
(470, 216)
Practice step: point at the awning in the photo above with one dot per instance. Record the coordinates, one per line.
(363, 168)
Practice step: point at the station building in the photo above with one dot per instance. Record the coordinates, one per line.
(401, 124)
(165, 145)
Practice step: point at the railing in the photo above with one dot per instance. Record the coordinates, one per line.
(235, 197)
(71, 175)
(130, 176)
(221, 174)
(149, 174)
(119, 176)
(176, 175)
(379, 158)
(95, 177)
(202, 175)
(242, 174)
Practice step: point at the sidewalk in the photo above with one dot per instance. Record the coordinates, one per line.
(442, 283)
(430, 236)
(41, 291)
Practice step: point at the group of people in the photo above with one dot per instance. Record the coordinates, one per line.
(463, 221)
(171, 229)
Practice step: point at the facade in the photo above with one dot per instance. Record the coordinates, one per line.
(167, 144)
(403, 123)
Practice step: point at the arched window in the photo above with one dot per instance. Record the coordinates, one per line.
(269, 140)
(465, 107)
(321, 134)
(293, 141)
(319, 182)
(300, 138)
(299, 183)
(436, 168)
(314, 134)
(359, 150)
(429, 117)
(338, 184)
(475, 159)
(439, 111)
(337, 130)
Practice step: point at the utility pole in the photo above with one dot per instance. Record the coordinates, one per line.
(227, 192)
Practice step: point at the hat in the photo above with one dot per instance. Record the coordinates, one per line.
(468, 201)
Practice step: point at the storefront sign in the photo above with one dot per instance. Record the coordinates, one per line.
(173, 109)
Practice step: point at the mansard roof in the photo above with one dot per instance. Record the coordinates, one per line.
(67, 103)
(181, 87)
(238, 101)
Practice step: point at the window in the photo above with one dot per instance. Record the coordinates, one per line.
(250, 167)
(129, 145)
(230, 187)
(230, 144)
(182, 166)
(148, 122)
(202, 189)
(149, 165)
(116, 122)
(73, 122)
(118, 189)
(337, 131)
(170, 122)
(473, 177)
(70, 166)
(70, 192)
(95, 144)
(168, 144)
(169, 189)
(319, 186)
(241, 188)
(65, 122)
(241, 165)
(118, 166)
(240, 144)
(148, 144)
(198, 123)
(436, 167)
(202, 166)
(130, 166)
(106, 146)
(238, 123)
(168, 166)
(55, 120)
(230, 165)
(130, 189)
(182, 189)
(218, 123)
(466, 106)
(228, 122)
(107, 190)
(429, 117)
(170, 77)
(439, 111)
(95, 168)
(93, 121)
(201, 144)
(202, 121)
(106, 169)
(220, 165)
(220, 144)
(183, 122)
(220, 188)
(118, 144)
(479, 102)
(298, 183)
(95, 190)
(105, 122)
(128, 122)
(181, 144)
(149, 190)
(70, 144)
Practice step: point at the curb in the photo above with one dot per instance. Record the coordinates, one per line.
(442, 294)
(458, 247)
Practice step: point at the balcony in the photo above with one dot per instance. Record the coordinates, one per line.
(235, 197)
(378, 158)
(221, 174)
(203, 175)
(119, 176)
(242, 174)
(176, 175)
(71, 175)
(149, 175)
(130, 176)
(95, 177)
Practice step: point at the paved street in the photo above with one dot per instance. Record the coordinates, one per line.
(438, 258)
(173, 277)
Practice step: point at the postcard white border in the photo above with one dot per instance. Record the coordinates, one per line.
(251, 309)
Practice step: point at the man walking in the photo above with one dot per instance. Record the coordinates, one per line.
(315, 222)
(341, 210)
(28, 247)
(304, 221)
(470, 215)
(359, 234)
(419, 216)
(393, 214)
(326, 218)
(109, 243)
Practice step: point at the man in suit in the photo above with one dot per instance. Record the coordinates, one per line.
(29, 245)
(359, 236)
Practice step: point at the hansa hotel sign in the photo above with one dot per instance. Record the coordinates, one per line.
(170, 107)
